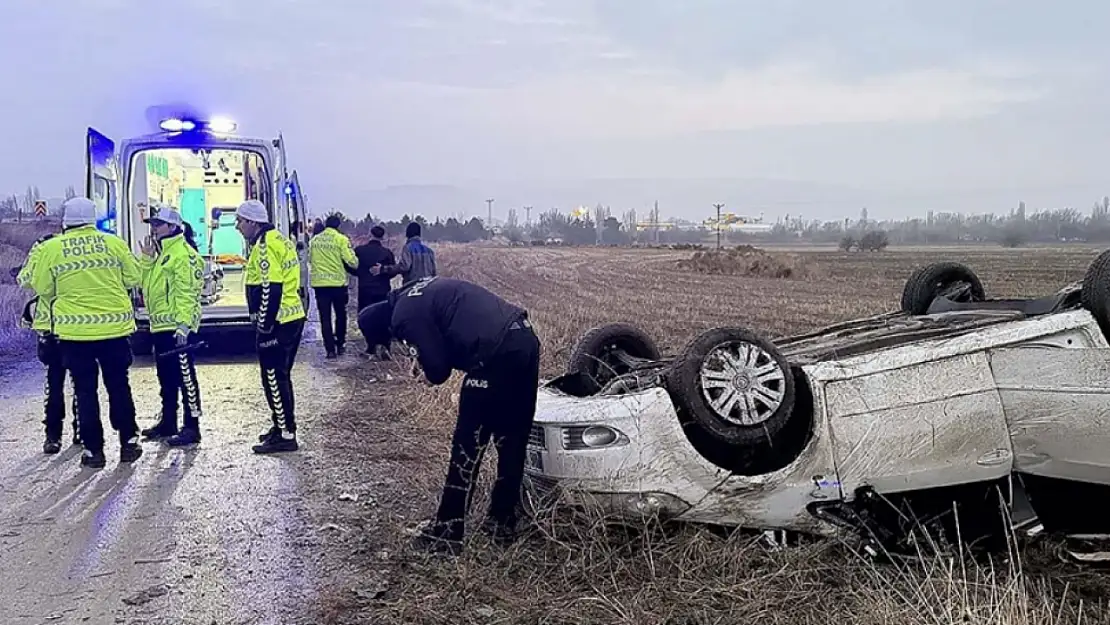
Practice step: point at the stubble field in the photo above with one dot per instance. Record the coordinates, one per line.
(582, 571)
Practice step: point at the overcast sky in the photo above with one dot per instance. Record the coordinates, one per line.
(904, 98)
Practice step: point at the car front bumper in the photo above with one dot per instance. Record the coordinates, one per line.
(626, 455)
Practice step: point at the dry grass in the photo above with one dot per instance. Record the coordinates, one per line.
(752, 262)
(388, 444)
(15, 241)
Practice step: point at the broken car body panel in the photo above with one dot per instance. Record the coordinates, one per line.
(899, 403)
(1057, 403)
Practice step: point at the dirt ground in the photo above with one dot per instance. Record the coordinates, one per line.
(217, 535)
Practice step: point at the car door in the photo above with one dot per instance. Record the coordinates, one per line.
(909, 419)
(102, 187)
(1057, 405)
(297, 217)
(101, 177)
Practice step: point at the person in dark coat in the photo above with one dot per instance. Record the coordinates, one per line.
(454, 325)
(373, 288)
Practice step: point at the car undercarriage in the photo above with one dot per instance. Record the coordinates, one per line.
(852, 425)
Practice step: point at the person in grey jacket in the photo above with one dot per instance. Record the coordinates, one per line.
(417, 261)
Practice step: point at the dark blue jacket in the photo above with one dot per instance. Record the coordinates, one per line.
(453, 324)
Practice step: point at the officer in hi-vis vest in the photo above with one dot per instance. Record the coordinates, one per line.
(173, 277)
(37, 318)
(84, 276)
(330, 259)
(273, 280)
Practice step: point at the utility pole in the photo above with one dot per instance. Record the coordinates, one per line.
(655, 221)
(489, 214)
(718, 207)
(528, 216)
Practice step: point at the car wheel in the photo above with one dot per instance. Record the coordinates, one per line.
(609, 351)
(953, 280)
(1096, 291)
(735, 385)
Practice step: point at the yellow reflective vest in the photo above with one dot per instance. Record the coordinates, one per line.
(172, 283)
(273, 281)
(83, 277)
(328, 252)
(41, 320)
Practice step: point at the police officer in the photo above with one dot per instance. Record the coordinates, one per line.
(50, 355)
(452, 324)
(83, 276)
(329, 257)
(173, 277)
(273, 280)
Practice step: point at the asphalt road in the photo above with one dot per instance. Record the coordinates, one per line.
(211, 535)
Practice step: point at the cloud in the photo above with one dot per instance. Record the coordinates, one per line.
(654, 103)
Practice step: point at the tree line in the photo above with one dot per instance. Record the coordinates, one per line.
(1017, 228)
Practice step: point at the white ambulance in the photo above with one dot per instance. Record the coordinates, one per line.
(204, 169)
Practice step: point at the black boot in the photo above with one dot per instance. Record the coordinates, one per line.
(93, 459)
(52, 445)
(434, 540)
(500, 533)
(280, 441)
(130, 451)
(189, 435)
(268, 434)
(161, 429)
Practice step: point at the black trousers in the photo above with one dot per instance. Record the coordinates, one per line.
(86, 361)
(54, 396)
(177, 375)
(366, 299)
(332, 301)
(277, 352)
(497, 404)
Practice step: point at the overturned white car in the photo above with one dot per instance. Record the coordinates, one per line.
(953, 399)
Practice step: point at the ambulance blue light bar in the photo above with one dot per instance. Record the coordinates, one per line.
(220, 125)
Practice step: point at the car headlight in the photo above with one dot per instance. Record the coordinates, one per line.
(645, 504)
(592, 437)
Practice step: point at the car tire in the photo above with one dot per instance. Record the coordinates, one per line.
(1095, 295)
(925, 284)
(735, 424)
(591, 357)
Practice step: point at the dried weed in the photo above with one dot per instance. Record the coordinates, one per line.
(390, 443)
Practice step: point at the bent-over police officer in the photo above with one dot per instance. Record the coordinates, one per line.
(173, 277)
(452, 324)
(37, 318)
(273, 281)
(84, 277)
